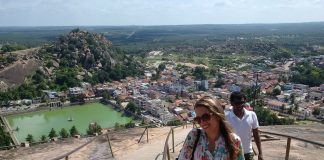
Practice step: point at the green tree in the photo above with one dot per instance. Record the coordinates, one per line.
(130, 125)
(276, 91)
(219, 83)
(132, 107)
(296, 107)
(199, 73)
(73, 131)
(94, 128)
(43, 138)
(30, 138)
(117, 126)
(316, 111)
(292, 98)
(52, 133)
(106, 96)
(290, 111)
(63, 133)
(5, 138)
(161, 66)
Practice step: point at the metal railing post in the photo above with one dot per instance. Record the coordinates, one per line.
(110, 146)
(142, 135)
(288, 148)
(147, 139)
(172, 129)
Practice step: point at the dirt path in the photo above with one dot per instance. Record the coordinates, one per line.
(155, 145)
(125, 146)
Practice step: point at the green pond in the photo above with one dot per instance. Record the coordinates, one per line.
(40, 123)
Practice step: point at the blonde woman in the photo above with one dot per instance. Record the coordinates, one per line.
(216, 140)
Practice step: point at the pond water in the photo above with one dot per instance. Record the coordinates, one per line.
(40, 123)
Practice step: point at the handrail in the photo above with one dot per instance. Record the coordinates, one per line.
(166, 150)
(289, 141)
(296, 138)
(166, 146)
(166, 153)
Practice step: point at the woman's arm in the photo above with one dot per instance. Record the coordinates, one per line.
(238, 144)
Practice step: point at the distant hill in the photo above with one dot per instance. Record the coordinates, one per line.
(90, 53)
(82, 48)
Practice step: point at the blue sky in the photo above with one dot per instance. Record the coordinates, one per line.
(157, 12)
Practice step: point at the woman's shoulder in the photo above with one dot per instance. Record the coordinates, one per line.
(236, 137)
(195, 131)
(192, 136)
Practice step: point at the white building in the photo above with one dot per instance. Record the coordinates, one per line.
(75, 91)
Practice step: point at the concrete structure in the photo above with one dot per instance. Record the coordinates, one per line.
(75, 91)
(13, 137)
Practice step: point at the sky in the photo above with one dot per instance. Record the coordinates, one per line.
(156, 12)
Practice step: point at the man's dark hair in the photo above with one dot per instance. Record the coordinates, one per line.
(237, 98)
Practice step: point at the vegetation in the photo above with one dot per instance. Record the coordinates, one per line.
(63, 133)
(133, 108)
(94, 128)
(12, 47)
(74, 131)
(130, 125)
(276, 91)
(5, 138)
(43, 138)
(200, 73)
(52, 133)
(316, 111)
(7, 59)
(30, 138)
(306, 73)
(266, 117)
(174, 123)
(118, 126)
(91, 52)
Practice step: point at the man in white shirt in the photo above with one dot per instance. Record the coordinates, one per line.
(244, 123)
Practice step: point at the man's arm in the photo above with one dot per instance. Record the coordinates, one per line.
(257, 141)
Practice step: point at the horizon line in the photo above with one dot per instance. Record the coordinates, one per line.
(198, 24)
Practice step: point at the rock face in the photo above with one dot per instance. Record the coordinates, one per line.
(89, 50)
(15, 74)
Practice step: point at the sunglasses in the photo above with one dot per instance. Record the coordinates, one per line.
(205, 117)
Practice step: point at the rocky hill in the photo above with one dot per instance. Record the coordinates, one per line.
(92, 53)
(83, 48)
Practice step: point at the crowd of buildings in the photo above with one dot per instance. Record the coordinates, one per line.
(171, 97)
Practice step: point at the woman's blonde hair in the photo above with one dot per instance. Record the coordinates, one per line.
(226, 130)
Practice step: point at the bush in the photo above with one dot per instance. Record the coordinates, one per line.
(118, 126)
(94, 128)
(73, 131)
(174, 123)
(43, 138)
(130, 125)
(30, 138)
(52, 133)
(64, 133)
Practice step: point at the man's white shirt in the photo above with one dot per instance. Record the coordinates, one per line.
(243, 127)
